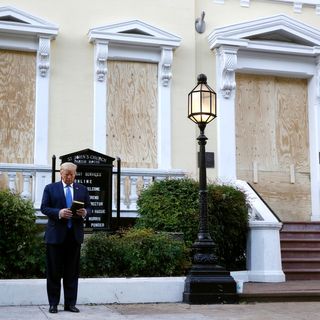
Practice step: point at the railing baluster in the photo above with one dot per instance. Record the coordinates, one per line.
(114, 192)
(147, 180)
(12, 181)
(123, 192)
(133, 193)
(26, 194)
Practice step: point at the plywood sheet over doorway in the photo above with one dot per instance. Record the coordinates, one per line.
(272, 142)
(132, 113)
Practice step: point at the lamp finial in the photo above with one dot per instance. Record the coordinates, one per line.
(202, 78)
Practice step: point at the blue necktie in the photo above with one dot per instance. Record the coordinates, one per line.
(69, 203)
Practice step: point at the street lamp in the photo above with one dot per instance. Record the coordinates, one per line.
(206, 282)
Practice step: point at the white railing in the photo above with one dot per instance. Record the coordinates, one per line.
(27, 179)
(30, 180)
(133, 181)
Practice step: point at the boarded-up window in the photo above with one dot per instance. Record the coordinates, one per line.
(17, 101)
(273, 142)
(132, 113)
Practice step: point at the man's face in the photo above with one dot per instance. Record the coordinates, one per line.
(68, 175)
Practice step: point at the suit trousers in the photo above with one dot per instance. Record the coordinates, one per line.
(63, 263)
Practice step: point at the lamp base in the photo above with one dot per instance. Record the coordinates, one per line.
(210, 284)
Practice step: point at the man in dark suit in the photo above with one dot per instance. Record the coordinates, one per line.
(64, 235)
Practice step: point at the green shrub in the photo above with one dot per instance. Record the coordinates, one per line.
(101, 255)
(133, 253)
(228, 223)
(173, 205)
(170, 205)
(22, 250)
(153, 254)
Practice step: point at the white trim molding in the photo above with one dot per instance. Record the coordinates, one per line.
(16, 22)
(21, 31)
(278, 33)
(135, 41)
(297, 5)
(276, 45)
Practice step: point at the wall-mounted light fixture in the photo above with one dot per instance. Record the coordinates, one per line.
(200, 23)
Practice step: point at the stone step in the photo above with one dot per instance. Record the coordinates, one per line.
(296, 226)
(289, 291)
(300, 253)
(300, 243)
(302, 274)
(300, 250)
(300, 263)
(300, 234)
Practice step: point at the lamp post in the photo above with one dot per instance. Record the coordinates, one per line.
(206, 282)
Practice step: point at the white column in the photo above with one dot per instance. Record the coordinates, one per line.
(226, 61)
(42, 102)
(164, 108)
(314, 141)
(264, 254)
(100, 96)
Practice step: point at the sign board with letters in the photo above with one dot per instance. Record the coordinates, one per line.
(94, 170)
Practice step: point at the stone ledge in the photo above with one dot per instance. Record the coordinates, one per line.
(26, 292)
(96, 291)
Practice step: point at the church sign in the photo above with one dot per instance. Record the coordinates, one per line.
(94, 170)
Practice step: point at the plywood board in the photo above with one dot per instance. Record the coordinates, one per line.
(292, 123)
(132, 113)
(291, 202)
(17, 106)
(255, 134)
(273, 143)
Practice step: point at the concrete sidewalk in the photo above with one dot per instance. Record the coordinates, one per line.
(171, 311)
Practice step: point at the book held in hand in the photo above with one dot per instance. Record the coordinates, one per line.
(75, 206)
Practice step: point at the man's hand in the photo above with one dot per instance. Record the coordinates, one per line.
(82, 212)
(65, 213)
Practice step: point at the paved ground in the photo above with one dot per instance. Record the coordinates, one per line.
(172, 311)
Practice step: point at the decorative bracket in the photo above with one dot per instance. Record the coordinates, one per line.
(101, 59)
(165, 66)
(44, 56)
(228, 63)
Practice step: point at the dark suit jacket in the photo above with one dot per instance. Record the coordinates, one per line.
(53, 201)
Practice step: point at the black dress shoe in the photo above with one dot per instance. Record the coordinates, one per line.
(53, 309)
(71, 309)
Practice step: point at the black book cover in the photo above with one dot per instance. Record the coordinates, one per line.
(75, 206)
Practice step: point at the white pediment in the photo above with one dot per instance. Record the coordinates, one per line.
(272, 33)
(16, 21)
(134, 32)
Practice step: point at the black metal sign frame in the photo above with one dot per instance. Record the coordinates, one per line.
(95, 171)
